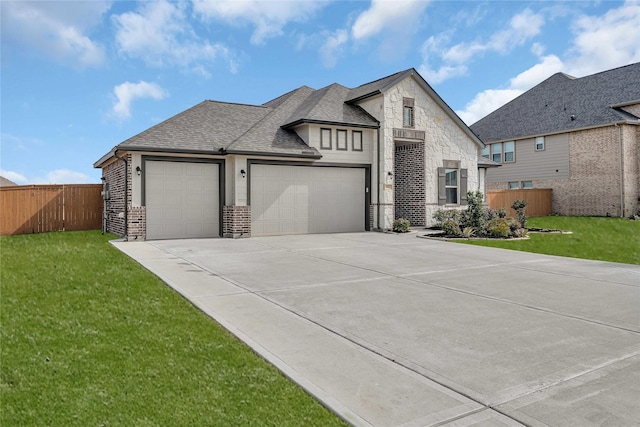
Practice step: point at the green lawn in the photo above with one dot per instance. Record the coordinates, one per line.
(604, 239)
(90, 338)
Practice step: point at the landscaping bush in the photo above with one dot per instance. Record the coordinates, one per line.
(499, 227)
(450, 227)
(520, 207)
(401, 225)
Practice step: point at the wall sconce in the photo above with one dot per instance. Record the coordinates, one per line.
(243, 173)
(390, 173)
(138, 170)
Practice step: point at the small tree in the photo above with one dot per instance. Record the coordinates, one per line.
(475, 214)
(520, 207)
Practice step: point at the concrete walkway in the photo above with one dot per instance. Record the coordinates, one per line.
(394, 330)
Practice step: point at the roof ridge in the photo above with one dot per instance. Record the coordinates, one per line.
(279, 99)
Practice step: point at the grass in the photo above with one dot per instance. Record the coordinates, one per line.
(597, 238)
(90, 338)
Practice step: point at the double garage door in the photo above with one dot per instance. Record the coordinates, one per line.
(182, 199)
(304, 200)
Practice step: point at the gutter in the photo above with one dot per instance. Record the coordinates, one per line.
(621, 166)
(126, 210)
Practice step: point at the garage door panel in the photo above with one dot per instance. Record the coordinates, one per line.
(302, 199)
(182, 199)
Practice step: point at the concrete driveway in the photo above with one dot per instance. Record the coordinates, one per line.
(398, 330)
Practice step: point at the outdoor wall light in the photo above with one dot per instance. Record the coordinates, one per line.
(138, 170)
(243, 173)
(390, 173)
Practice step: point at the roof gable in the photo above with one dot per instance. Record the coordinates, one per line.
(562, 103)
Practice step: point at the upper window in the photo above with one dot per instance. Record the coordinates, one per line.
(341, 143)
(451, 185)
(527, 184)
(408, 119)
(496, 153)
(485, 151)
(514, 185)
(356, 136)
(325, 139)
(540, 143)
(509, 151)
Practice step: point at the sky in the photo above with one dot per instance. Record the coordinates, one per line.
(79, 77)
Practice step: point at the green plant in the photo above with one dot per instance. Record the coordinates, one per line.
(520, 207)
(401, 225)
(499, 227)
(475, 214)
(502, 213)
(450, 227)
(468, 232)
(439, 216)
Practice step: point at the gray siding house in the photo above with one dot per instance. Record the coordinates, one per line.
(577, 136)
(335, 159)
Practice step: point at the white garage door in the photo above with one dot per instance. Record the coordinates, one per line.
(304, 199)
(182, 199)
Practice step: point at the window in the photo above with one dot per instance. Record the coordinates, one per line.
(509, 151)
(527, 184)
(325, 139)
(356, 140)
(514, 185)
(496, 153)
(341, 143)
(540, 143)
(485, 151)
(408, 119)
(451, 185)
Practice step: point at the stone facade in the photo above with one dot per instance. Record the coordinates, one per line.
(236, 221)
(409, 183)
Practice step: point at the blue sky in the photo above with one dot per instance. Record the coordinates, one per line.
(79, 77)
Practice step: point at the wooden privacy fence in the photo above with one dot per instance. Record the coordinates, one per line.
(539, 202)
(29, 209)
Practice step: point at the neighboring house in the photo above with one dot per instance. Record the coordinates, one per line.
(310, 161)
(577, 136)
(4, 182)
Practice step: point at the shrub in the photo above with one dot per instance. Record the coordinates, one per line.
(499, 227)
(520, 207)
(401, 225)
(439, 216)
(450, 227)
(474, 215)
(468, 232)
(502, 213)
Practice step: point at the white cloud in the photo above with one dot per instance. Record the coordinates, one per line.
(601, 43)
(127, 92)
(385, 15)
(332, 47)
(14, 176)
(64, 176)
(56, 29)
(160, 34)
(268, 17)
(454, 60)
(605, 42)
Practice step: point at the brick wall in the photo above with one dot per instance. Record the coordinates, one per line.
(236, 221)
(114, 205)
(137, 218)
(409, 183)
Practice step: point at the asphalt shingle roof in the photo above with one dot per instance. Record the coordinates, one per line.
(563, 103)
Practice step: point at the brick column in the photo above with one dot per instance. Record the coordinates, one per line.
(236, 221)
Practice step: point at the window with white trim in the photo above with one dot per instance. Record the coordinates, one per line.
(408, 119)
(356, 140)
(325, 139)
(509, 152)
(496, 153)
(527, 184)
(451, 185)
(540, 143)
(485, 152)
(514, 185)
(341, 140)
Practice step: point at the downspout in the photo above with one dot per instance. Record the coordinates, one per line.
(378, 179)
(620, 147)
(126, 191)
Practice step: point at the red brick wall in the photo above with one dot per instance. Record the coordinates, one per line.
(236, 221)
(409, 183)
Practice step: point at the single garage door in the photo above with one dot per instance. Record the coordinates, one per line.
(306, 199)
(182, 199)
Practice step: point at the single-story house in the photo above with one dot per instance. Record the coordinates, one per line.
(578, 136)
(310, 161)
